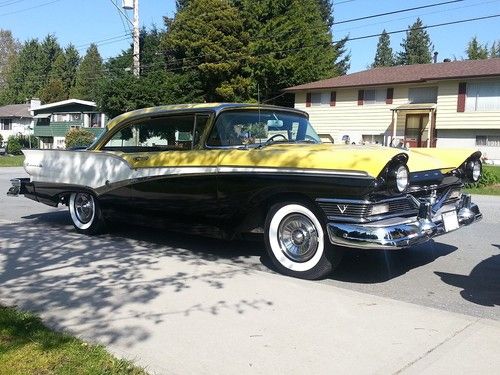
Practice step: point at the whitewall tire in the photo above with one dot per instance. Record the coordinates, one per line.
(85, 213)
(297, 242)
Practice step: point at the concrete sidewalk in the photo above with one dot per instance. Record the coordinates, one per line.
(178, 311)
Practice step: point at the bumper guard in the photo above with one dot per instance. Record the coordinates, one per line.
(401, 232)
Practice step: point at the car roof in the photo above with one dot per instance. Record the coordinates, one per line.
(195, 107)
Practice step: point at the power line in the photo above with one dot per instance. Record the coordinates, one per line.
(9, 2)
(419, 15)
(396, 11)
(30, 8)
(334, 42)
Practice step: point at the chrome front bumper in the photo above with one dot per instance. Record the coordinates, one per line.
(401, 232)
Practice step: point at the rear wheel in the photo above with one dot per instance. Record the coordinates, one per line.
(297, 242)
(85, 213)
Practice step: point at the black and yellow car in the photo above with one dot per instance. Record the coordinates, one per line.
(229, 169)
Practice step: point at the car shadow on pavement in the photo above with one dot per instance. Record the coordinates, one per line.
(482, 285)
(377, 266)
(46, 267)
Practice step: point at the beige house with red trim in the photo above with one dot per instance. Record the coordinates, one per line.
(449, 104)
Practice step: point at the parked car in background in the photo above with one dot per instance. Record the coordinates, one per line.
(229, 169)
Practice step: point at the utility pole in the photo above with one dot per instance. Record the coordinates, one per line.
(128, 5)
(137, 62)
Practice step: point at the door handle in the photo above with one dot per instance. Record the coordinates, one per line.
(141, 158)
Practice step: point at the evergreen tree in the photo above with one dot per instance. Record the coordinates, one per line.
(89, 75)
(326, 10)
(208, 37)
(495, 49)
(181, 4)
(417, 46)
(49, 52)
(476, 51)
(290, 44)
(384, 55)
(71, 64)
(53, 91)
(27, 76)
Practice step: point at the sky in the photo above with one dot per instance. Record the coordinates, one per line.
(84, 21)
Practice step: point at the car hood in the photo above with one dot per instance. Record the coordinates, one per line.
(368, 159)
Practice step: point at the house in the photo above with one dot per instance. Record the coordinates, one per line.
(54, 120)
(449, 104)
(17, 119)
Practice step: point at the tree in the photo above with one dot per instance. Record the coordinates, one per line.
(476, 51)
(26, 76)
(9, 48)
(208, 37)
(326, 10)
(291, 43)
(417, 46)
(384, 55)
(89, 75)
(53, 91)
(495, 49)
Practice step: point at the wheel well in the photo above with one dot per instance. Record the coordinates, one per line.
(256, 217)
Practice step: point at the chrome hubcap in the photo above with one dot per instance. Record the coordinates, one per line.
(84, 207)
(298, 237)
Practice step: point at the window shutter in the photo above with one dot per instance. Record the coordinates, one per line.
(361, 96)
(333, 98)
(389, 96)
(462, 93)
(308, 99)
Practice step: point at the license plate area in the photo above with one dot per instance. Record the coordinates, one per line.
(450, 220)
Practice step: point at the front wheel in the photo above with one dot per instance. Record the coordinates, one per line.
(297, 243)
(85, 213)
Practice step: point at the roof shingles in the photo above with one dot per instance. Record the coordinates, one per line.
(408, 74)
(15, 110)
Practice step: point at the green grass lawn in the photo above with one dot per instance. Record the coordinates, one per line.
(11, 160)
(27, 347)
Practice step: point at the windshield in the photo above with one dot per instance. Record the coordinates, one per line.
(255, 128)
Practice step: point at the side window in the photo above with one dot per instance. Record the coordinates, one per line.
(154, 134)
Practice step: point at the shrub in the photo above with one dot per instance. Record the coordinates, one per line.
(14, 146)
(79, 137)
(488, 178)
(1, 140)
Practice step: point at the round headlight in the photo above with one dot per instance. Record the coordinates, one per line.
(402, 178)
(476, 171)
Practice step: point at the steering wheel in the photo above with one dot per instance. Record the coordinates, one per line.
(271, 140)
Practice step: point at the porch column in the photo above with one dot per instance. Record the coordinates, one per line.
(394, 125)
(429, 129)
(103, 120)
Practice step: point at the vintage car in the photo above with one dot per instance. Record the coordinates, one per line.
(230, 169)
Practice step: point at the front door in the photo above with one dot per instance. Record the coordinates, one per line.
(416, 130)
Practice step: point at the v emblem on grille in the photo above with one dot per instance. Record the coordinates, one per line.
(342, 208)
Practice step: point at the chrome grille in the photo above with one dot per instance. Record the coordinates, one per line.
(345, 209)
(363, 210)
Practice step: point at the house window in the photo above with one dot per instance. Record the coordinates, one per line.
(422, 95)
(320, 99)
(373, 139)
(483, 96)
(488, 140)
(5, 124)
(374, 96)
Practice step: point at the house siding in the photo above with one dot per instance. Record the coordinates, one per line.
(19, 126)
(349, 118)
(449, 118)
(454, 128)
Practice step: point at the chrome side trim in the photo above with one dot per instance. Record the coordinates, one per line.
(236, 169)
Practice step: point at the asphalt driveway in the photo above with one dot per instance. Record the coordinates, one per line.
(185, 304)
